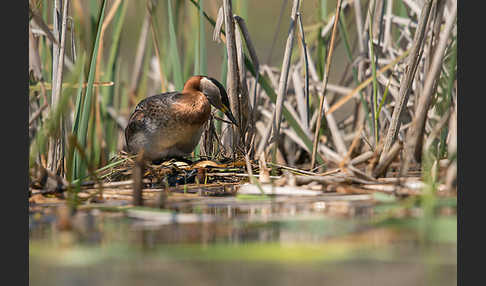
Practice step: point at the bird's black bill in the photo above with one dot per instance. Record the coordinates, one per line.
(224, 100)
(228, 113)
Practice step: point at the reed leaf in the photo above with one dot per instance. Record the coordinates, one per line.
(382, 102)
(174, 52)
(86, 109)
(109, 94)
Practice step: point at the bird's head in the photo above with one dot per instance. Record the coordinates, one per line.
(216, 95)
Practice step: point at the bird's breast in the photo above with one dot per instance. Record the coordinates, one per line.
(192, 109)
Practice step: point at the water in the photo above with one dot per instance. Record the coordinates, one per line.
(332, 239)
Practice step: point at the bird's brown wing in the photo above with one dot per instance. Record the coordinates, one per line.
(149, 111)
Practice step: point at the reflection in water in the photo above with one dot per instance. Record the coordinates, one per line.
(234, 242)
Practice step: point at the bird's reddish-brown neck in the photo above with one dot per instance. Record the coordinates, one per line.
(192, 84)
(193, 105)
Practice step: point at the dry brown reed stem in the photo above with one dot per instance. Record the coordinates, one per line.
(48, 86)
(334, 157)
(284, 75)
(249, 169)
(249, 43)
(304, 108)
(37, 113)
(44, 96)
(137, 178)
(362, 158)
(35, 64)
(293, 169)
(437, 129)
(413, 6)
(353, 145)
(324, 83)
(217, 27)
(256, 64)
(415, 132)
(73, 40)
(406, 82)
(336, 135)
(42, 25)
(232, 78)
(244, 106)
(55, 147)
(436, 29)
(330, 23)
(301, 100)
(376, 24)
(388, 35)
(359, 25)
(392, 154)
(55, 49)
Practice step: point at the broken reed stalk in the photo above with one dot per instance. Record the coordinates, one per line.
(406, 82)
(324, 84)
(232, 77)
(415, 132)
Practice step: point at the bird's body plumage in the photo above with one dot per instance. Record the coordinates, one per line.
(169, 124)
